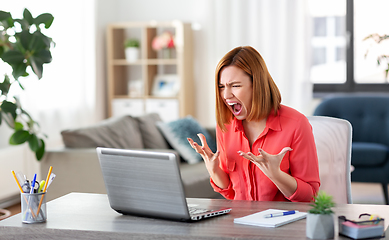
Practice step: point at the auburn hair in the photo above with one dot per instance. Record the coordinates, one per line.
(266, 95)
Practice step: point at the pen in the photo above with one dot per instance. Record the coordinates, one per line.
(33, 184)
(280, 214)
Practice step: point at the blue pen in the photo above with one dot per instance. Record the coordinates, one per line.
(280, 214)
(33, 184)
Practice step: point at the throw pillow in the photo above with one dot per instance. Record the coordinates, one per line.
(122, 132)
(177, 132)
(151, 136)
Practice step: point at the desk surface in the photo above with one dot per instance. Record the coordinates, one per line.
(89, 216)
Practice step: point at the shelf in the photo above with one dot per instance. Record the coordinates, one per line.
(130, 84)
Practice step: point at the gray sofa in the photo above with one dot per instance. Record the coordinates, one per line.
(77, 167)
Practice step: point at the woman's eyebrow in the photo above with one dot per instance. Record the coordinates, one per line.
(230, 83)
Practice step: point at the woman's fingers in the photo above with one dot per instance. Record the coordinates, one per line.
(216, 155)
(250, 156)
(285, 150)
(195, 146)
(264, 155)
(204, 143)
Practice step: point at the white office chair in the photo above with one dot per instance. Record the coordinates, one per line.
(333, 137)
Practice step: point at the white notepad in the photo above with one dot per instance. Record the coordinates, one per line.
(258, 219)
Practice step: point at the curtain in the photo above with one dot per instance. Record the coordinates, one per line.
(278, 29)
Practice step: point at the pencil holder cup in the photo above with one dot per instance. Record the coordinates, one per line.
(33, 207)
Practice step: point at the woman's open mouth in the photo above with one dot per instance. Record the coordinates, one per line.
(236, 107)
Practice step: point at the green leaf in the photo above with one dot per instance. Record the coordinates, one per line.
(45, 18)
(19, 70)
(4, 15)
(1, 117)
(5, 85)
(1, 50)
(41, 151)
(9, 107)
(12, 57)
(33, 142)
(18, 126)
(28, 17)
(39, 41)
(44, 56)
(37, 66)
(25, 38)
(322, 204)
(19, 137)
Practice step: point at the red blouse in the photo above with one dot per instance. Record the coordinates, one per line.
(288, 128)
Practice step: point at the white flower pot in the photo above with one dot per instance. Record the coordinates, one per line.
(320, 226)
(132, 54)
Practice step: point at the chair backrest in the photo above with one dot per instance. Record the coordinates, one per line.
(333, 143)
(368, 114)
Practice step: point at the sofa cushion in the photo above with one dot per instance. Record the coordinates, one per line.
(368, 154)
(122, 132)
(177, 132)
(151, 136)
(195, 178)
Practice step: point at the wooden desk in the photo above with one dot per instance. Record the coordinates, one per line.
(89, 216)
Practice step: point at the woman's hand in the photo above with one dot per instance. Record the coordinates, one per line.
(211, 160)
(268, 163)
(270, 166)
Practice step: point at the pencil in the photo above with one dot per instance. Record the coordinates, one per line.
(21, 190)
(16, 179)
(44, 189)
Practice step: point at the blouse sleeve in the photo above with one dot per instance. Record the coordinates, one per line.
(304, 166)
(228, 192)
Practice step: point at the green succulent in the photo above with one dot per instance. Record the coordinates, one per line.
(322, 204)
(131, 43)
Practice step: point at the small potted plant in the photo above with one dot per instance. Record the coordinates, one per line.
(320, 218)
(132, 49)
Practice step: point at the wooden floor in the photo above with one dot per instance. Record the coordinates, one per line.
(15, 209)
(363, 193)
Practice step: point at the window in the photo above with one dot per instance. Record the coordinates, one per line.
(342, 59)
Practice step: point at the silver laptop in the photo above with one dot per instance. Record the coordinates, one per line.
(148, 183)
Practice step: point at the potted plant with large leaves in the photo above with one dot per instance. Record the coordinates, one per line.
(23, 46)
(320, 218)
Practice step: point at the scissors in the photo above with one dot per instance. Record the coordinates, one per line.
(26, 187)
